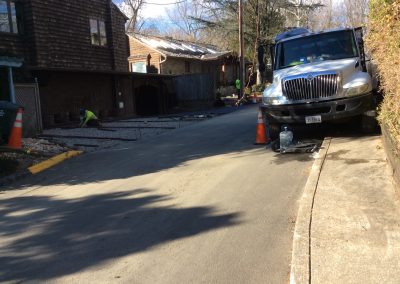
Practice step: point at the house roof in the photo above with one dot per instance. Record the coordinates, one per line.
(178, 48)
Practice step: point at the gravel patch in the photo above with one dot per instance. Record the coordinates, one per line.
(93, 132)
(84, 139)
(43, 146)
(130, 129)
(39, 149)
(34, 151)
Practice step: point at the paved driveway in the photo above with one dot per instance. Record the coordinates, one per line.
(200, 204)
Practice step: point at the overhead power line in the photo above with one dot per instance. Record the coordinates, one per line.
(166, 4)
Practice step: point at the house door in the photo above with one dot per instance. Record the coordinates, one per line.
(147, 100)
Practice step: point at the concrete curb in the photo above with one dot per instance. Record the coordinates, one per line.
(53, 161)
(39, 167)
(392, 155)
(300, 265)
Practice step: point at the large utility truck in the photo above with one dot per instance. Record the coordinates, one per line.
(318, 77)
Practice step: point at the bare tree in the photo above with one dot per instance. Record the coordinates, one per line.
(325, 17)
(132, 8)
(298, 11)
(149, 28)
(182, 16)
(347, 13)
(356, 12)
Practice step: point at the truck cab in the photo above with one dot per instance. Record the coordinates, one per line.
(317, 77)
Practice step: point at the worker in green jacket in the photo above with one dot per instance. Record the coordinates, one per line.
(238, 85)
(88, 118)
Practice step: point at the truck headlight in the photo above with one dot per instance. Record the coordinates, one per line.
(274, 100)
(356, 90)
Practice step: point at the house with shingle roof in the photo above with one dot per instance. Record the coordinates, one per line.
(58, 56)
(165, 55)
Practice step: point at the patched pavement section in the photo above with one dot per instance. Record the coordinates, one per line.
(125, 132)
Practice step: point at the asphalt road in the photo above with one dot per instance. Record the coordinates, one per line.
(200, 204)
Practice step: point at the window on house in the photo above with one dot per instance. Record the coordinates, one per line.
(98, 32)
(8, 17)
(139, 67)
(103, 35)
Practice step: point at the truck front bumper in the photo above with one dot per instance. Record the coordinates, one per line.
(328, 110)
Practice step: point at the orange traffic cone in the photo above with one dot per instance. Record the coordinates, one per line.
(261, 135)
(254, 98)
(15, 139)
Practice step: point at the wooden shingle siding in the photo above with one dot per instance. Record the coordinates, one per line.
(28, 34)
(120, 40)
(62, 35)
(11, 45)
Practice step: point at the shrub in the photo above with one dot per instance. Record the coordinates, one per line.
(383, 41)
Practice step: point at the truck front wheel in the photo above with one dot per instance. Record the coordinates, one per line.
(369, 124)
(274, 130)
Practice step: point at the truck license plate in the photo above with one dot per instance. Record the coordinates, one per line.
(313, 119)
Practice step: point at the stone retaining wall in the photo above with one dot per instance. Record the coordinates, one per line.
(392, 154)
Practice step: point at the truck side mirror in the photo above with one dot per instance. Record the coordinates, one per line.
(272, 54)
(360, 41)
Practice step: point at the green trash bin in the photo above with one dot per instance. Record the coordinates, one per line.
(8, 113)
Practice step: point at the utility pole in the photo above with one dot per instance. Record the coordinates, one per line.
(242, 67)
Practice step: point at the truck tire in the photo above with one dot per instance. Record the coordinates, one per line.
(274, 130)
(369, 124)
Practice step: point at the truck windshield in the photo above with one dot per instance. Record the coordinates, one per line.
(315, 48)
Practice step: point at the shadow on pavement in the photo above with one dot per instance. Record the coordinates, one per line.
(231, 133)
(58, 237)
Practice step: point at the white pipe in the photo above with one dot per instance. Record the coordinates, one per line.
(162, 61)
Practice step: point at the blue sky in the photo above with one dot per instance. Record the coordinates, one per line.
(154, 11)
(155, 15)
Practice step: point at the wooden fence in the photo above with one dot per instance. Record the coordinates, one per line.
(195, 87)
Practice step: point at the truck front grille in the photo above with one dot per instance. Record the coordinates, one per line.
(311, 87)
